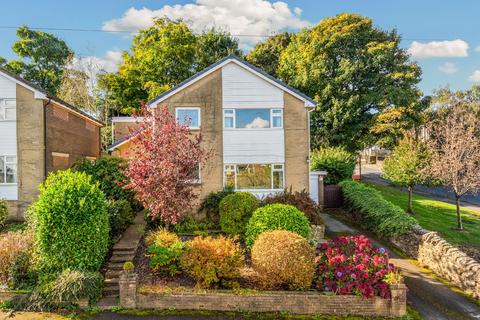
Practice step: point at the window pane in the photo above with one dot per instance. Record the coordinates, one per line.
(228, 111)
(277, 179)
(10, 102)
(11, 159)
(277, 122)
(2, 170)
(277, 111)
(254, 176)
(228, 122)
(10, 114)
(188, 117)
(253, 118)
(11, 173)
(230, 179)
(278, 166)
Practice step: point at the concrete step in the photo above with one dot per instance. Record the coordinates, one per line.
(106, 303)
(111, 274)
(123, 252)
(122, 258)
(117, 266)
(110, 282)
(131, 245)
(109, 291)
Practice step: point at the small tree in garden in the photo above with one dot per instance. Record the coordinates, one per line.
(166, 158)
(404, 167)
(455, 146)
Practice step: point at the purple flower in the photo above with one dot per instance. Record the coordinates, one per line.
(381, 250)
(339, 274)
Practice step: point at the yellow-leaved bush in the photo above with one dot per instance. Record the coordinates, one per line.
(212, 260)
(283, 259)
(12, 246)
(161, 237)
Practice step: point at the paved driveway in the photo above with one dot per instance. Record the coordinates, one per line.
(428, 296)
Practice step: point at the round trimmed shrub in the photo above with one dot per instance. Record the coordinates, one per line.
(338, 163)
(283, 259)
(235, 211)
(276, 217)
(70, 222)
(212, 260)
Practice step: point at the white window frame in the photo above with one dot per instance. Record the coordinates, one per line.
(272, 166)
(199, 179)
(5, 163)
(190, 108)
(234, 116)
(4, 107)
(274, 114)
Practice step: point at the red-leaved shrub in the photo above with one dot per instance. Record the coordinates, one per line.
(351, 265)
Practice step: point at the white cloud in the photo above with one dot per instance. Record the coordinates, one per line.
(475, 76)
(439, 49)
(240, 17)
(258, 123)
(109, 62)
(448, 68)
(477, 49)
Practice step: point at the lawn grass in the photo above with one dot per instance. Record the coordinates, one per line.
(437, 216)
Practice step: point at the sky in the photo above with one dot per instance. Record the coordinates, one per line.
(442, 36)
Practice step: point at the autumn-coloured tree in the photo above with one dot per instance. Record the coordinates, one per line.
(454, 143)
(166, 157)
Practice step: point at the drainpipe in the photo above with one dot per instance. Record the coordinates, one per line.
(45, 173)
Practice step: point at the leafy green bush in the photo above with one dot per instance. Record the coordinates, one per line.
(120, 216)
(235, 211)
(338, 163)
(210, 205)
(300, 200)
(212, 260)
(191, 225)
(3, 212)
(276, 217)
(164, 249)
(70, 223)
(68, 288)
(283, 259)
(377, 214)
(108, 172)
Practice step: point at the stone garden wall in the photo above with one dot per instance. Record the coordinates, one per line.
(264, 301)
(442, 258)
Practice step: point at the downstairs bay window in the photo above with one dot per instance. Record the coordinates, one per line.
(254, 176)
(8, 169)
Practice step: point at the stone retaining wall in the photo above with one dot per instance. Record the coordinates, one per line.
(444, 259)
(264, 301)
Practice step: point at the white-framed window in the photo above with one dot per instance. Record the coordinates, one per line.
(189, 116)
(252, 118)
(254, 176)
(8, 169)
(8, 109)
(195, 175)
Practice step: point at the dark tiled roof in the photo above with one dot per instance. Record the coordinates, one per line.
(234, 57)
(49, 95)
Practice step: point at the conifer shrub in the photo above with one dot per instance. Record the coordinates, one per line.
(276, 217)
(283, 260)
(213, 261)
(235, 211)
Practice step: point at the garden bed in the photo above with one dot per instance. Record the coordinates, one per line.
(134, 296)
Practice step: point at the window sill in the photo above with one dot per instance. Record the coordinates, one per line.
(253, 129)
(8, 184)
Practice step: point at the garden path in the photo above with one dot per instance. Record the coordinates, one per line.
(123, 250)
(430, 297)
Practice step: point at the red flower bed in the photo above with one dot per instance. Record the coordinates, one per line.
(351, 265)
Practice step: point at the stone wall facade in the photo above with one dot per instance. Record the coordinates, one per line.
(265, 301)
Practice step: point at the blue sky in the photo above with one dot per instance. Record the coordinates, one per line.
(447, 32)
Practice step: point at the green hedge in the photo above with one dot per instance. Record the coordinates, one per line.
(235, 211)
(338, 163)
(378, 214)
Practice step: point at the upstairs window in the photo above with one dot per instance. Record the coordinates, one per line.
(8, 110)
(189, 117)
(8, 169)
(252, 118)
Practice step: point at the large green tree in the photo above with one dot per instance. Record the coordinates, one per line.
(266, 54)
(160, 57)
(213, 45)
(43, 57)
(355, 71)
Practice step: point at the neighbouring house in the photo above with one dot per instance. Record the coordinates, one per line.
(257, 127)
(39, 133)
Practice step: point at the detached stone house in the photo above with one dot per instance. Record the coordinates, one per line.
(39, 133)
(257, 127)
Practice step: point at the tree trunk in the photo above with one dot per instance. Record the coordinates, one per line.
(410, 200)
(459, 217)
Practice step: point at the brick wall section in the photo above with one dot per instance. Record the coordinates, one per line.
(293, 302)
(296, 143)
(74, 136)
(30, 150)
